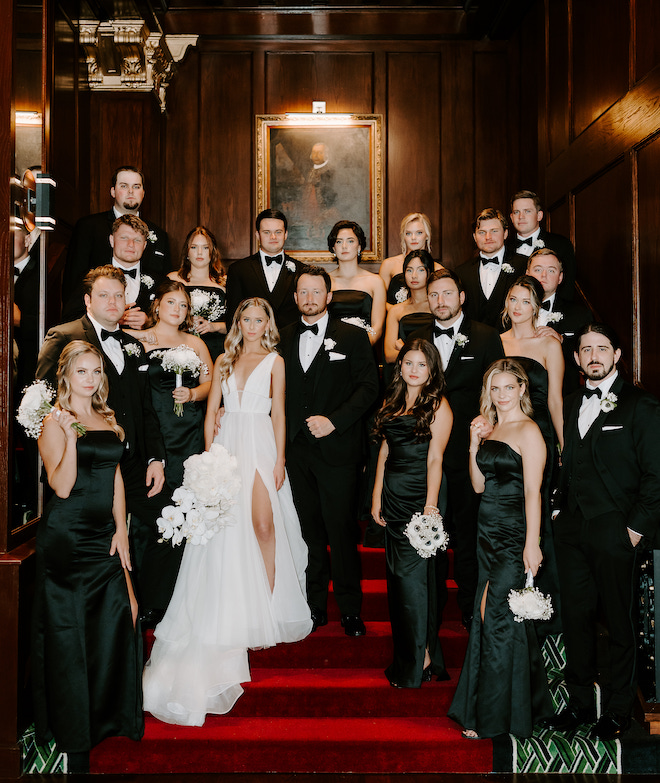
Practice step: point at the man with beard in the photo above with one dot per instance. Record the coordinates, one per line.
(610, 500)
(90, 242)
(331, 383)
(467, 349)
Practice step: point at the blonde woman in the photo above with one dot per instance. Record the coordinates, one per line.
(86, 654)
(246, 587)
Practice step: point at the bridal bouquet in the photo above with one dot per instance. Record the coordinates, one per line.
(530, 603)
(179, 360)
(204, 304)
(204, 500)
(354, 320)
(427, 534)
(35, 406)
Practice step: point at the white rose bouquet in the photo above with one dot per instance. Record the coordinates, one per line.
(530, 603)
(427, 534)
(35, 406)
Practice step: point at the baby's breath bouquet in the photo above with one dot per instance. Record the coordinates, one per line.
(179, 360)
(205, 304)
(35, 406)
(530, 603)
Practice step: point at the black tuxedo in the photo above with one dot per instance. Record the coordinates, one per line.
(565, 252)
(609, 481)
(26, 298)
(341, 384)
(464, 377)
(488, 311)
(245, 278)
(90, 247)
(573, 317)
(129, 396)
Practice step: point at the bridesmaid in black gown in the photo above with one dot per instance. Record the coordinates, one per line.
(503, 687)
(414, 425)
(86, 651)
(202, 274)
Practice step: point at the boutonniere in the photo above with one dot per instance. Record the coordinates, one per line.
(152, 237)
(290, 266)
(401, 295)
(147, 280)
(552, 318)
(608, 403)
(133, 349)
(461, 340)
(329, 343)
(538, 243)
(508, 269)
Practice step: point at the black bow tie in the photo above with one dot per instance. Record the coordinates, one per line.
(485, 261)
(545, 305)
(273, 260)
(529, 241)
(116, 335)
(314, 328)
(438, 331)
(590, 392)
(129, 272)
(17, 270)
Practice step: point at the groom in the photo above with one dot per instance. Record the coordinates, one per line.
(331, 381)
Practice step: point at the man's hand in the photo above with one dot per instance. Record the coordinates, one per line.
(155, 477)
(133, 317)
(548, 331)
(320, 426)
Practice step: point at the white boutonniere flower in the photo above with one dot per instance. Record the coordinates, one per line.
(329, 343)
(290, 266)
(401, 295)
(147, 280)
(152, 237)
(133, 349)
(608, 403)
(553, 318)
(508, 269)
(538, 243)
(461, 340)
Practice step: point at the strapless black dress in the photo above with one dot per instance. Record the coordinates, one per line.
(351, 304)
(214, 341)
(503, 687)
(397, 290)
(86, 655)
(411, 579)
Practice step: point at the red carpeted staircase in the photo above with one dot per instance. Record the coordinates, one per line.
(321, 705)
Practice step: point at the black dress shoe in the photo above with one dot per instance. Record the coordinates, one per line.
(610, 726)
(353, 625)
(570, 718)
(319, 618)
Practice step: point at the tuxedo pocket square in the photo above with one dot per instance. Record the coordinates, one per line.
(610, 427)
(158, 253)
(467, 358)
(143, 368)
(336, 357)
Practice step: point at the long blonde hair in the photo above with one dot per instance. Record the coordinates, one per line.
(71, 353)
(234, 339)
(487, 408)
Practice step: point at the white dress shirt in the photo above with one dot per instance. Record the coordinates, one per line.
(444, 343)
(132, 283)
(272, 270)
(590, 406)
(527, 250)
(310, 343)
(489, 273)
(111, 348)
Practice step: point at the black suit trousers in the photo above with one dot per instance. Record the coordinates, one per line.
(596, 563)
(325, 496)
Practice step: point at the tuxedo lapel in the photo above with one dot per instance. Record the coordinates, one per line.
(258, 276)
(282, 284)
(597, 426)
(466, 329)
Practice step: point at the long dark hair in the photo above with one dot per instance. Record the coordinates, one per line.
(216, 272)
(428, 401)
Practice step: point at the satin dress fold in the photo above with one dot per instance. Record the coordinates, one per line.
(411, 579)
(86, 654)
(503, 687)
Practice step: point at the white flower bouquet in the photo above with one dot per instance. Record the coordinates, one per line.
(530, 603)
(354, 320)
(203, 502)
(401, 295)
(179, 360)
(427, 534)
(204, 304)
(35, 406)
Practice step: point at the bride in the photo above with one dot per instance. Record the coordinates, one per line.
(246, 587)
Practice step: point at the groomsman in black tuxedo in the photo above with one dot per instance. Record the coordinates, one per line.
(129, 396)
(26, 306)
(467, 348)
(90, 242)
(610, 500)
(526, 217)
(564, 318)
(331, 383)
(270, 273)
(487, 278)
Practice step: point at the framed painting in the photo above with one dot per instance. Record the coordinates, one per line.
(318, 169)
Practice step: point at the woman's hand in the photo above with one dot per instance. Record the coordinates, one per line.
(183, 394)
(480, 428)
(278, 474)
(532, 558)
(66, 421)
(375, 513)
(202, 326)
(120, 546)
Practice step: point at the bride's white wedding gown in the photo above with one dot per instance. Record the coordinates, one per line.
(222, 604)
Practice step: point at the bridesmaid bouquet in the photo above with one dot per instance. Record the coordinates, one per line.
(530, 603)
(35, 406)
(203, 502)
(427, 534)
(179, 360)
(204, 304)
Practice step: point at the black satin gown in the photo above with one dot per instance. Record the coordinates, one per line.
(182, 435)
(86, 655)
(396, 289)
(351, 304)
(214, 341)
(411, 580)
(503, 687)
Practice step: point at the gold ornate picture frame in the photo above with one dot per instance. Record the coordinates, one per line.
(318, 169)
